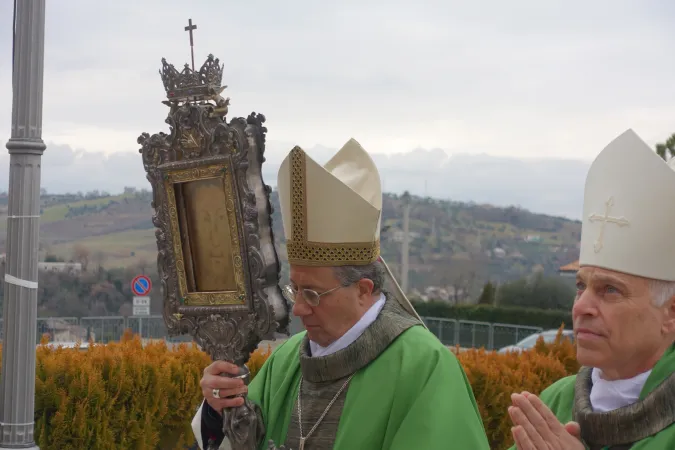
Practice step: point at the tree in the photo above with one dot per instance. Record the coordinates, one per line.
(126, 309)
(52, 258)
(99, 259)
(537, 292)
(142, 264)
(487, 297)
(81, 254)
(666, 150)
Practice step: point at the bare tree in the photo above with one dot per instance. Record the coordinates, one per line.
(142, 264)
(99, 259)
(81, 254)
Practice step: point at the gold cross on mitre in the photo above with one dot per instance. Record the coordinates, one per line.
(604, 220)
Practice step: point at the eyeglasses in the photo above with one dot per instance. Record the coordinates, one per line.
(310, 296)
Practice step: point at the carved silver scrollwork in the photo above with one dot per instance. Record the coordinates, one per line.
(201, 138)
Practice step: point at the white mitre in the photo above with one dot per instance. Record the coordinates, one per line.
(332, 213)
(629, 211)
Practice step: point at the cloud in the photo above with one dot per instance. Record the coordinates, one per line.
(513, 99)
(522, 79)
(552, 186)
(67, 170)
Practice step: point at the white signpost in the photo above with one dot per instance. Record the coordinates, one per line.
(141, 306)
(141, 286)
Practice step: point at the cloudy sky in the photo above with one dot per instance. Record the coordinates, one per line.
(540, 84)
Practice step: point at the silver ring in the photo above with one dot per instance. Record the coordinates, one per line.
(216, 393)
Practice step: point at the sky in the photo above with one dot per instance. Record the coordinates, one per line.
(529, 82)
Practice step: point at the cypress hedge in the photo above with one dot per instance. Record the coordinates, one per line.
(544, 318)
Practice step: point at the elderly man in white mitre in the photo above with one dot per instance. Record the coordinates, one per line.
(366, 373)
(623, 314)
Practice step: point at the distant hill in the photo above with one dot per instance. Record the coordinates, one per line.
(460, 245)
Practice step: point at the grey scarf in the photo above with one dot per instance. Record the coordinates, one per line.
(621, 428)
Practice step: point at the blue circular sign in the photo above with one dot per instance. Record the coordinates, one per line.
(141, 285)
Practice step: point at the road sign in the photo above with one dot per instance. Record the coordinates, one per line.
(141, 301)
(141, 285)
(141, 311)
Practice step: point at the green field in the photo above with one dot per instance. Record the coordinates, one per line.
(119, 249)
(58, 212)
(453, 242)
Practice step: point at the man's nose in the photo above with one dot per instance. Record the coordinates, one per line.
(301, 309)
(585, 304)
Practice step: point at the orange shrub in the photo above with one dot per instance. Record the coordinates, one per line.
(494, 377)
(119, 395)
(126, 395)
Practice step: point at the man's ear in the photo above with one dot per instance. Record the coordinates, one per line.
(669, 323)
(365, 287)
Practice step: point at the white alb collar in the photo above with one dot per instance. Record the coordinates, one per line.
(610, 395)
(352, 334)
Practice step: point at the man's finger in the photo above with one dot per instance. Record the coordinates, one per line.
(219, 367)
(211, 382)
(521, 439)
(553, 423)
(225, 393)
(533, 416)
(520, 420)
(574, 429)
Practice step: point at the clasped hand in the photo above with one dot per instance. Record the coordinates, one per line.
(537, 428)
(228, 387)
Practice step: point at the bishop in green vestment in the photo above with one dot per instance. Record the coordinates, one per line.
(366, 373)
(624, 315)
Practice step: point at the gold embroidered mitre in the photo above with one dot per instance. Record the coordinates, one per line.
(629, 211)
(331, 214)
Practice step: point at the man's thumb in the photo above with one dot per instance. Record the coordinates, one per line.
(573, 429)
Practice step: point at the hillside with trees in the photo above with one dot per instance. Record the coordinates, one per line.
(455, 249)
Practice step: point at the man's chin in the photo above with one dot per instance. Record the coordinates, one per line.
(312, 333)
(315, 335)
(589, 357)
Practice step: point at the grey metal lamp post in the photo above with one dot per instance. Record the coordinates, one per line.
(17, 385)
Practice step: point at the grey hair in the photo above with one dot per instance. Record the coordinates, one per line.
(662, 291)
(374, 271)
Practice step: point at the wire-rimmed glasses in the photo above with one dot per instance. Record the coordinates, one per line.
(308, 295)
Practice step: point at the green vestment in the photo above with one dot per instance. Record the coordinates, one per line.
(560, 398)
(414, 395)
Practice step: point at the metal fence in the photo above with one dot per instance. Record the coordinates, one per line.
(471, 334)
(465, 333)
(101, 329)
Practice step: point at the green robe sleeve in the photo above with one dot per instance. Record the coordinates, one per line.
(270, 390)
(444, 414)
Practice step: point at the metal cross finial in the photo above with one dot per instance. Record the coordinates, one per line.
(189, 28)
(605, 219)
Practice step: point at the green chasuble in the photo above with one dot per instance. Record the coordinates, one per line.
(655, 409)
(414, 395)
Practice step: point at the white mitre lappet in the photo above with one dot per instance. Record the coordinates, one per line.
(629, 211)
(332, 213)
